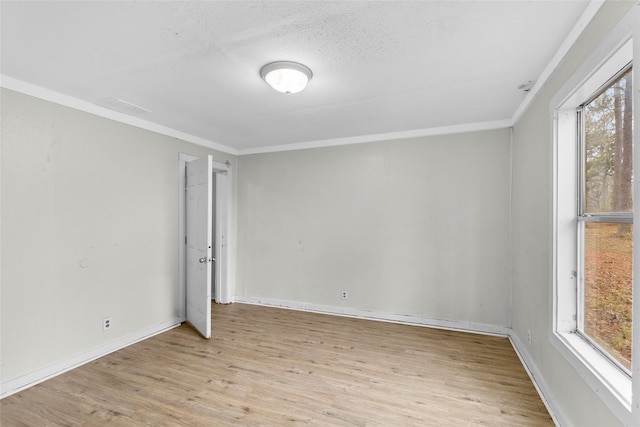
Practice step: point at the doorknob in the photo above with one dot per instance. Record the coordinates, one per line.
(203, 259)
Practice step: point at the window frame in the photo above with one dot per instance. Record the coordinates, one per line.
(612, 384)
(583, 218)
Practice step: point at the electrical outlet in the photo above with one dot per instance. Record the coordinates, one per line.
(106, 323)
(344, 295)
(528, 337)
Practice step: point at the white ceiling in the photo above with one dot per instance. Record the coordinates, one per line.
(379, 67)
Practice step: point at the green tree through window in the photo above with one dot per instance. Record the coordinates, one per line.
(605, 219)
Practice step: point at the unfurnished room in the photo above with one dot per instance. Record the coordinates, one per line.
(319, 213)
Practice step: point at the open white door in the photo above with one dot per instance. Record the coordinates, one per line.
(198, 236)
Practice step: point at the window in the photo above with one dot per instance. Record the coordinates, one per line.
(593, 226)
(605, 219)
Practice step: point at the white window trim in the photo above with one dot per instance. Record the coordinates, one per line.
(619, 392)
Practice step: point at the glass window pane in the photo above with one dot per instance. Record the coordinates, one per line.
(608, 249)
(608, 150)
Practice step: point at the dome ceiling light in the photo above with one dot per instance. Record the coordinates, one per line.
(286, 76)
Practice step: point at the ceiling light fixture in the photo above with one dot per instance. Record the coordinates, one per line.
(286, 76)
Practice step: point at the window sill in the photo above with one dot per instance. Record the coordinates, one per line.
(606, 380)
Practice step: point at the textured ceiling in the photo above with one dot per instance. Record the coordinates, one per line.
(379, 67)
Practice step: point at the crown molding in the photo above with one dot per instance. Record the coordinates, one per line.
(39, 92)
(416, 133)
(587, 16)
(88, 107)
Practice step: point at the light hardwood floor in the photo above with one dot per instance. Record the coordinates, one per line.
(274, 367)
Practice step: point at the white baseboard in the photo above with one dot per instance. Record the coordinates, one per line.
(455, 325)
(538, 381)
(25, 381)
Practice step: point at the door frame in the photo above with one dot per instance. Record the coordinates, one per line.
(223, 226)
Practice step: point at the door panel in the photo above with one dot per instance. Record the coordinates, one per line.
(199, 251)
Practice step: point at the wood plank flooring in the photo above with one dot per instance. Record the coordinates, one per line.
(274, 367)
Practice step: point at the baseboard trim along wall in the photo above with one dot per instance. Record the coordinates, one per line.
(455, 325)
(539, 383)
(478, 328)
(25, 381)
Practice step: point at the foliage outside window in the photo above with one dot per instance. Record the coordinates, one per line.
(593, 217)
(605, 216)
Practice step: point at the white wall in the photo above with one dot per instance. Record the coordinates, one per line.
(415, 227)
(79, 190)
(532, 232)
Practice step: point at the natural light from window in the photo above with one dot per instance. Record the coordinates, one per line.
(605, 219)
(593, 224)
